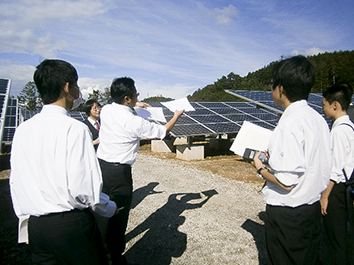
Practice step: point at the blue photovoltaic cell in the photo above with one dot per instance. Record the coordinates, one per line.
(191, 130)
(208, 118)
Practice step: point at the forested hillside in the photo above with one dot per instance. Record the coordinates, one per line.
(330, 67)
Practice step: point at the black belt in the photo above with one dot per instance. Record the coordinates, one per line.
(113, 163)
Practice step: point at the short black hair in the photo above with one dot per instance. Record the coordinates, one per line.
(51, 77)
(122, 87)
(296, 75)
(89, 104)
(341, 92)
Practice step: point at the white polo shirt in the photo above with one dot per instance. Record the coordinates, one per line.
(121, 131)
(300, 155)
(342, 142)
(54, 167)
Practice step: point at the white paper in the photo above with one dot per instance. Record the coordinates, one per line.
(251, 136)
(178, 104)
(151, 113)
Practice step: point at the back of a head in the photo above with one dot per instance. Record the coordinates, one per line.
(341, 92)
(122, 87)
(296, 75)
(51, 76)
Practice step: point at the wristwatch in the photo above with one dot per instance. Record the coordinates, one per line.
(259, 171)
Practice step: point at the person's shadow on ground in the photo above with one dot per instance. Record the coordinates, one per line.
(140, 194)
(162, 240)
(258, 232)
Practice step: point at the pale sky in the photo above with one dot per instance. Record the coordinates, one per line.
(170, 48)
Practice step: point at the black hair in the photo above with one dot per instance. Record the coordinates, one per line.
(122, 87)
(296, 75)
(341, 92)
(51, 77)
(89, 104)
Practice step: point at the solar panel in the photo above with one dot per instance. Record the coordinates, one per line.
(4, 95)
(209, 118)
(215, 118)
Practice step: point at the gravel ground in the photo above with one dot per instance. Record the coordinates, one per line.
(182, 215)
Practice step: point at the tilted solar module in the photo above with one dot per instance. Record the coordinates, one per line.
(215, 118)
(5, 85)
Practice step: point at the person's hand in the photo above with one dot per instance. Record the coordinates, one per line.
(257, 163)
(96, 141)
(324, 205)
(142, 105)
(178, 113)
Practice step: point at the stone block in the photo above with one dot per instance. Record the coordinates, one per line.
(162, 146)
(190, 152)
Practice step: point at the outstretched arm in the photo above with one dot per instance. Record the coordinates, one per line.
(169, 125)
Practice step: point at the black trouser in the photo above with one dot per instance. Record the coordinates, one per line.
(118, 185)
(293, 234)
(65, 238)
(335, 227)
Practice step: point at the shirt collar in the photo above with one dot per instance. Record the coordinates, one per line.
(122, 107)
(340, 120)
(50, 108)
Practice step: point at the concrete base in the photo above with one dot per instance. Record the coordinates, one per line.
(186, 152)
(180, 141)
(162, 146)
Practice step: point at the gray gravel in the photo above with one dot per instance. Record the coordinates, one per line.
(181, 215)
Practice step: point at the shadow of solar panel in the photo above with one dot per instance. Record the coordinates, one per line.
(190, 130)
(208, 118)
(229, 127)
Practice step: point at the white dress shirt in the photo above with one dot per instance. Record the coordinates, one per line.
(342, 141)
(54, 167)
(121, 131)
(300, 155)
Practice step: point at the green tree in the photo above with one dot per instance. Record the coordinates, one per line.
(158, 98)
(29, 97)
(103, 97)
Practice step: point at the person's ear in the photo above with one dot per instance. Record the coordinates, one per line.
(126, 98)
(281, 91)
(66, 87)
(335, 105)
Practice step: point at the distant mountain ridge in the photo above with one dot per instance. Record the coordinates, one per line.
(329, 67)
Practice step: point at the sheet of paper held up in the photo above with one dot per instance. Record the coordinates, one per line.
(251, 136)
(178, 104)
(151, 113)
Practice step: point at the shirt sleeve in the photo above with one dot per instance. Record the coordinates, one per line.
(339, 142)
(151, 130)
(84, 175)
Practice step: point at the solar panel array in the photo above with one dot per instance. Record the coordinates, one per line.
(11, 120)
(27, 114)
(215, 118)
(264, 98)
(4, 95)
(209, 118)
